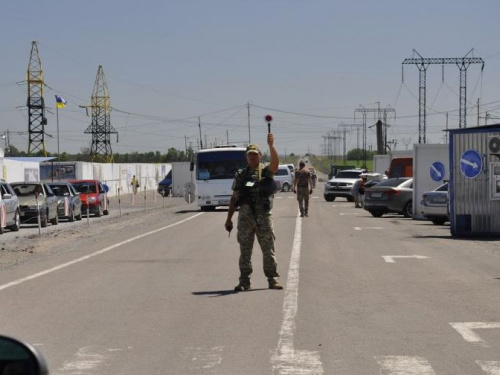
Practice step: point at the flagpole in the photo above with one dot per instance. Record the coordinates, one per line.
(57, 115)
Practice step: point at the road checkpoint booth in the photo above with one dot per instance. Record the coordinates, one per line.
(430, 170)
(474, 189)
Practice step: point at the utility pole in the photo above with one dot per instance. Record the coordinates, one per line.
(36, 103)
(248, 110)
(422, 64)
(199, 127)
(100, 127)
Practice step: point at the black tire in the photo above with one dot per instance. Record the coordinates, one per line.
(43, 220)
(376, 213)
(2, 230)
(17, 222)
(99, 211)
(55, 220)
(71, 217)
(285, 187)
(329, 198)
(438, 221)
(408, 210)
(79, 216)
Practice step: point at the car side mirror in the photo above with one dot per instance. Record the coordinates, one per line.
(17, 357)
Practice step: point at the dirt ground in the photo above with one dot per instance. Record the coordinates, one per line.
(31, 242)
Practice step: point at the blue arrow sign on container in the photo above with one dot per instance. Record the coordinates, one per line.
(471, 163)
(437, 171)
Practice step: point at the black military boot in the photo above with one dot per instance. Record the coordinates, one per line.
(243, 285)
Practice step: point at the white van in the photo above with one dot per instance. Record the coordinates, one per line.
(284, 176)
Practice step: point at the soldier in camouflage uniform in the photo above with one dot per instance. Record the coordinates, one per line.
(302, 186)
(253, 190)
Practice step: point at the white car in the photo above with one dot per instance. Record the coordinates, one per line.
(284, 176)
(435, 205)
(341, 185)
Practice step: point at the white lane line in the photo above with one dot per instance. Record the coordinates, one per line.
(390, 258)
(87, 359)
(86, 257)
(204, 360)
(347, 213)
(285, 359)
(404, 365)
(490, 367)
(466, 330)
(368, 228)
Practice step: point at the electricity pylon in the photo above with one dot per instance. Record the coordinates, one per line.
(463, 64)
(35, 103)
(100, 127)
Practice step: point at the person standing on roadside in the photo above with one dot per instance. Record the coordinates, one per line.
(302, 186)
(356, 192)
(135, 184)
(253, 190)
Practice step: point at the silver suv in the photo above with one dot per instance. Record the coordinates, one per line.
(341, 184)
(10, 201)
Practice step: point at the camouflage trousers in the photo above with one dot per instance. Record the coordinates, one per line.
(303, 198)
(250, 225)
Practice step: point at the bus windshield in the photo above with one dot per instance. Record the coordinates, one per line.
(219, 164)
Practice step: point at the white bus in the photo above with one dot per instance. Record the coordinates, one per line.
(214, 175)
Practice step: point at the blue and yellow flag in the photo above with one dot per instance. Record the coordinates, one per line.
(61, 103)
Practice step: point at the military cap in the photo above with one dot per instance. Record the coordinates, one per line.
(253, 148)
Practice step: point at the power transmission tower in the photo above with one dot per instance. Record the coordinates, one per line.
(344, 128)
(100, 127)
(382, 116)
(35, 103)
(463, 64)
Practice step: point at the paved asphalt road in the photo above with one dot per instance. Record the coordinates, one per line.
(362, 296)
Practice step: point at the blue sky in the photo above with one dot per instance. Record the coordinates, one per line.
(310, 64)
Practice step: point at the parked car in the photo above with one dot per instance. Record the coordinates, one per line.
(341, 185)
(165, 185)
(93, 196)
(11, 203)
(34, 197)
(70, 204)
(391, 195)
(435, 205)
(284, 176)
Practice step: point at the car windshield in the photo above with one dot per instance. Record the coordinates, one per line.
(348, 174)
(59, 189)
(220, 164)
(443, 187)
(27, 190)
(84, 187)
(392, 182)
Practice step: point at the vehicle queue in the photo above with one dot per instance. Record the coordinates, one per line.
(40, 202)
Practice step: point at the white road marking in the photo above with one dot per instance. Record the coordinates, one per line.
(369, 228)
(390, 258)
(86, 361)
(348, 213)
(204, 360)
(285, 359)
(86, 257)
(467, 331)
(490, 367)
(404, 365)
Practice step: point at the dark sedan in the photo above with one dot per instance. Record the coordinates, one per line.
(393, 195)
(70, 204)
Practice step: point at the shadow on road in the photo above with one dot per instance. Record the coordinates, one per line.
(222, 293)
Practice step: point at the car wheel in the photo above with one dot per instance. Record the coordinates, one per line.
(99, 211)
(408, 210)
(43, 220)
(285, 187)
(376, 213)
(79, 216)
(329, 198)
(2, 230)
(17, 222)
(438, 221)
(55, 220)
(71, 217)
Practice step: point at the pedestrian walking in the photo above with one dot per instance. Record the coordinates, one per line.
(135, 184)
(362, 191)
(303, 187)
(253, 190)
